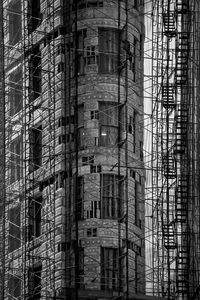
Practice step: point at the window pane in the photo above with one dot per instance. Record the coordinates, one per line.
(109, 136)
(108, 50)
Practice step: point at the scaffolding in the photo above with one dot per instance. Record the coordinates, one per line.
(72, 201)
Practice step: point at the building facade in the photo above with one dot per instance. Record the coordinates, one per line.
(73, 209)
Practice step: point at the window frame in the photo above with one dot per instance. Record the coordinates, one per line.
(112, 193)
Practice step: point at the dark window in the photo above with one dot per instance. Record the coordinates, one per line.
(108, 50)
(15, 91)
(35, 207)
(81, 267)
(94, 114)
(88, 3)
(14, 287)
(91, 57)
(92, 232)
(35, 74)
(137, 204)
(108, 120)
(87, 160)
(80, 198)
(34, 15)
(16, 169)
(136, 4)
(14, 228)
(80, 59)
(35, 148)
(60, 49)
(95, 169)
(134, 58)
(141, 151)
(93, 212)
(81, 127)
(132, 128)
(112, 191)
(34, 282)
(15, 22)
(61, 67)
(109, 268)
(62, 139)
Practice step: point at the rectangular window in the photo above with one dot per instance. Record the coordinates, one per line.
(80, 59)
(14, 228)
(94, 114)
(60, 49)
(15, 22)
(108, 50)
(16, 166)
(34, 282)
(35, 73)
(60, 67)
(109, 268)
(34, 15)
(81, 126)
(35, 148)
(138, 221)
(91, 57)
(35, 208)
(87, 160)
(134, 58)
(80, 198)
(141, 151)
(15, 91)
(112, 191)
(88, 3)
(132, 128)
(108, 120)
(14, 286)
(81, 267)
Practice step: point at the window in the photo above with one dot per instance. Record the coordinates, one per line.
(35, 207)
(62, 139)
(134, 58)
(80, 59)
(81, 127)
(89, 3)
(35, 148)
(92, 213)
(15, 22)
(14, 228)
(81, 267)
(87, 160)
(132, 128)
(35, 74)
(91, 57)
(60, 49)
(108, 120)
(109, 268)
(34, 15)
(80, 198)
(91, 232)
(94, 114)
(34, 282)
(112, 191)
(16, 169)
(108, 50)
(15, 91)
(137, 204)
(95, 169)
(141, 151)
(14, 287)
(61, 67)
